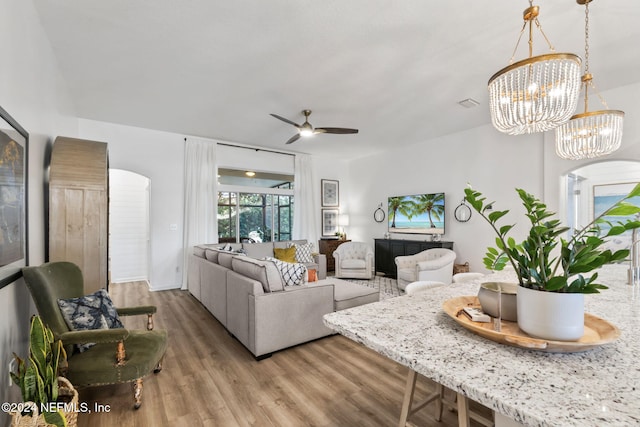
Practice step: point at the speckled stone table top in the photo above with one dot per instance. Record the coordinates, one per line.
(599, 387)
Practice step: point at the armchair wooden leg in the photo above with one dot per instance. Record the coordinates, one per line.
(158, 367)
(137, 393)
(120, 354)
(149, 322)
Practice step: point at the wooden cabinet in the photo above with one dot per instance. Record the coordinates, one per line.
(327, 246)
(78, 208)
(386, 251)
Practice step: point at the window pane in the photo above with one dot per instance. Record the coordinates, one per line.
(261, 217)
(258, 179)
(227, 215)
(283, 217)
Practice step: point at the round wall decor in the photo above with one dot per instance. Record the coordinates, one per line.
(378, 214)
(462, 212)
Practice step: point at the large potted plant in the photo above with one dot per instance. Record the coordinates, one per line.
(554, 272)
(40, 382)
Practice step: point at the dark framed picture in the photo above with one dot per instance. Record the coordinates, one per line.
(14, 145)
(330, 193)
(329, 222)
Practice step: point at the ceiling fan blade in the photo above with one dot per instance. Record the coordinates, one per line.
(285, 120)
(294, 138)
(335, 130)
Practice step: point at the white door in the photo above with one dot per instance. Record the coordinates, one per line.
(128, 226)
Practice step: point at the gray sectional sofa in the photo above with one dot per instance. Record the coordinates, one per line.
(247, 296)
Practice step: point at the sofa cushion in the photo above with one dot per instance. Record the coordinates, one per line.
(263, 271)
(347, 294)
(258, 250)
(303, 252)
(292, 274)
(212, 255)
(199, 251)
(285, 254)
(225, 259)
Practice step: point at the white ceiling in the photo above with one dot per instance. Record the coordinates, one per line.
(393, 69)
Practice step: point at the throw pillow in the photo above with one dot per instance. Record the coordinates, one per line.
(313, 277)
(292, 274)
(95, 311)
(286, 255)
(303, 252)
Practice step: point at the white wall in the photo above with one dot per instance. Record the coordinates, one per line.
(493, 163)
(33, 92)
(160, 157)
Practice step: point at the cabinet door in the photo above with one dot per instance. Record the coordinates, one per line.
(382, 253)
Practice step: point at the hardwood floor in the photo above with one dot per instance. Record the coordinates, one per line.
(210, 379)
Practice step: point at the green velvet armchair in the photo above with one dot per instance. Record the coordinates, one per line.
(119, 355)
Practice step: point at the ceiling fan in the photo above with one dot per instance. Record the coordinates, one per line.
(306, 129)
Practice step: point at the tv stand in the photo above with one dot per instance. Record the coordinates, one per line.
(386, 251)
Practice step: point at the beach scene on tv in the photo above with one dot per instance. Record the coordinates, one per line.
(417, 214)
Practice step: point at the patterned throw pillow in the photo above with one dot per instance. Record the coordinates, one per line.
(292, 274)
(286, 255)
(95, 311)
(303, 252)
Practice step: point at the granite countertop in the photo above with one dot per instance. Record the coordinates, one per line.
(598, 387)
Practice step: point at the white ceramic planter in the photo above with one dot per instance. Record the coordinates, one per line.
(551, 315)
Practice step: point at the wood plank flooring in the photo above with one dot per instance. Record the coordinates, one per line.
(210, 379)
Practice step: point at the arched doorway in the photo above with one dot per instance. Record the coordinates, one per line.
(128, 226)
(593, 188)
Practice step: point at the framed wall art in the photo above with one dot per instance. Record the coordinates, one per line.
(14, 144)
(330, 193)
(329, 222)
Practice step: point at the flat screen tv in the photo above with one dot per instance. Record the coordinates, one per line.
(417, 214)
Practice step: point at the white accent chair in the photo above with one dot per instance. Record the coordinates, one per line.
(433, 265)
(421, 286)
(467, 277)
(354, 260)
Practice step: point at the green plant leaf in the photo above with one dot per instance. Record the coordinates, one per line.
(55, 418)
(623, 209)
(496, 215)
(556, 283)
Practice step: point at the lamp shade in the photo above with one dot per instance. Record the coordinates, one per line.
(343, 220)
(590, 135)
(536, 94)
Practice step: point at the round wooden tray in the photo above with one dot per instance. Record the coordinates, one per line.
(597, 331)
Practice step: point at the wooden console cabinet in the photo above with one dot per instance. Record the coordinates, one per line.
(327, 246)
(386, 251)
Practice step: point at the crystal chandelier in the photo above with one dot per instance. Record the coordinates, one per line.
(592, 133)
(535, 94)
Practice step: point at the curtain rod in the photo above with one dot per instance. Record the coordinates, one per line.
(256, 149)
(252, 148)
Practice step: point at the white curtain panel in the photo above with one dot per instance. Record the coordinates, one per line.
(200, 198)
(305, 214)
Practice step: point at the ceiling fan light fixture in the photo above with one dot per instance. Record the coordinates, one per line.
(535, 94)
(305, 132)
(593, 133)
